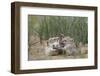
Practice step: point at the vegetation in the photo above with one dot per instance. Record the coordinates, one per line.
(50, 26)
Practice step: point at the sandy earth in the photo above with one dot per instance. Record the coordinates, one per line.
(55, 57)
(36, 52)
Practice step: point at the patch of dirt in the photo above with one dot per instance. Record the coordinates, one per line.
(36, 51)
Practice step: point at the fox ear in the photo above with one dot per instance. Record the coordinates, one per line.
(53, 46)
(47, 43)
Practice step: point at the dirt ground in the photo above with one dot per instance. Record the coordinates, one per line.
(43, 57)
(36, 51)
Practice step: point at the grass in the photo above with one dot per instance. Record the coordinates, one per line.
(50, 26)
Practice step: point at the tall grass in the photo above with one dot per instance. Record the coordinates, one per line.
(50, 26)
